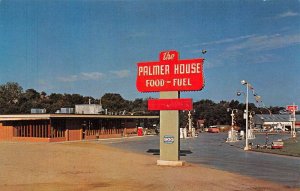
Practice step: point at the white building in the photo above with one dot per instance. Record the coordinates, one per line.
(275, 121)
(88, 109)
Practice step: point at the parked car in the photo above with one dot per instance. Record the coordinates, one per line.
(213, 130)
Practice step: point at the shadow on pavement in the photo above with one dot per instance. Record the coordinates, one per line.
(157, 151)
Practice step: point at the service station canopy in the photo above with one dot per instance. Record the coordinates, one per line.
(170, 74)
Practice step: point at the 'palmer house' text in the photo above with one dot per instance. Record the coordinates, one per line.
(156, 70)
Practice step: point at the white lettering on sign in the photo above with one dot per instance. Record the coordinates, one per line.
(155, 83)
(168, 56)
(193, 68)
(182, 82)
(169, 139)
(154, 70)
(175, 82)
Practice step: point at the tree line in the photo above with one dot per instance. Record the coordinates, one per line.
(15, 100)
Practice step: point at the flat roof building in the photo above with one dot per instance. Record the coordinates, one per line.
(278, 121)
(69, 127)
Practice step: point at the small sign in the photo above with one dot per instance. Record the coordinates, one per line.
(170, 74)
(292, 108)
(169, 139)
(170, 104)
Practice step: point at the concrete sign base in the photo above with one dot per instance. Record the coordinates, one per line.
(170, 163)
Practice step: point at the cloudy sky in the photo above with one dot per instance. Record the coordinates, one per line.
(91, 47)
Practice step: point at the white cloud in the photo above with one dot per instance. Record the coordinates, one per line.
(222, 41)
(266, 42)
(83, 76)
(227, 40)
(252, 49)
(70, 78)
(288, 14)
(91, 76)
(94, 76)
(121, 73)
(253, 42)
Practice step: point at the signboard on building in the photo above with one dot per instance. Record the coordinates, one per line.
(292, 108)
(170, 74)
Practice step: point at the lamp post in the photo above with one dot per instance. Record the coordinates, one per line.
(243, 82)
(250, 131)
(293, 120)
(190, 123)
(187, 131)
(232, 136)
(191, 130)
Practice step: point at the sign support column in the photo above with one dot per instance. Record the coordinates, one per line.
(169, 134)
(293, 108)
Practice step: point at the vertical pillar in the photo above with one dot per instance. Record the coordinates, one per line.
(169, 134)
(27, 130)
(43, 129)
(81, 134)
(38, 130)
(23, 131)
(33, 130)
(30, 130)
(49, 129)
(67, 135)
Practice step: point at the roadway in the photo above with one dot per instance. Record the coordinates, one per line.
(212, 150)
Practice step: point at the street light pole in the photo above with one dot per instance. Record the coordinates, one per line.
(232, 116)
(190, 123)
(243, 82)
(231, 134)
(232, 123)
(293, 129)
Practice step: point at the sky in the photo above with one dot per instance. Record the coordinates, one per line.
(92, 47)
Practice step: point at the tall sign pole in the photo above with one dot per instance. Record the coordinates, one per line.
(169, 133)
(169, 76)
(292, 109)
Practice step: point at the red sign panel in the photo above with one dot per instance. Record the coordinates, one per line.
(170, 104)
(292, 108)
(170, 74)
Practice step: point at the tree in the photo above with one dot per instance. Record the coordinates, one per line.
(9, 97)
(75, 99)
(13, 100)
(114, 102)
(204, 109)
(234, 104)
(216, 113)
